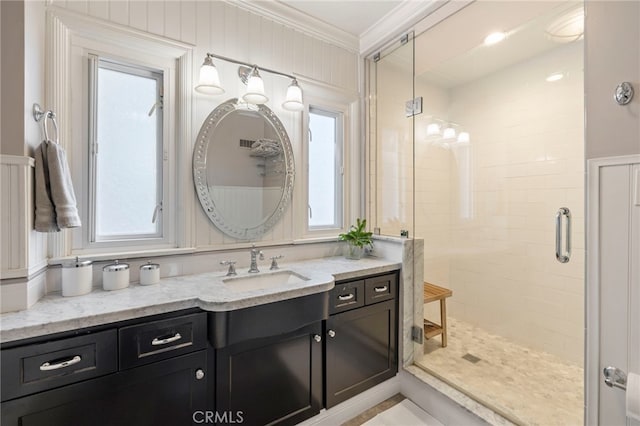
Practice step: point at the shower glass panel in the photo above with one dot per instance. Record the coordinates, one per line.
(390, 126)
(499, 149)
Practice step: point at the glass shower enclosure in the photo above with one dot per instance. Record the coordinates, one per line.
(476, 146)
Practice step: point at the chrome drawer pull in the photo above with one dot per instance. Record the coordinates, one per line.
(380, 289)
(48, 367)
(346, 296)
(157, 342)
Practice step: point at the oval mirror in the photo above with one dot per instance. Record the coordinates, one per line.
(243, 169)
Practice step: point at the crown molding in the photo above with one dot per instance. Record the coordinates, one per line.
(398, 21)
(293, 18)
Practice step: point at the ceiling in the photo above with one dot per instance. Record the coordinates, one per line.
(351, 16)
(448, 56)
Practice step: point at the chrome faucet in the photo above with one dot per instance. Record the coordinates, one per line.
(254, 257)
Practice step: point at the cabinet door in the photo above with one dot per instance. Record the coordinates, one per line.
(274, 380)
(163, 393)
(362, 352)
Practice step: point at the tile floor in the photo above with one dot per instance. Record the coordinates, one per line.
(367, 415)
(395, 411)
(526, 386)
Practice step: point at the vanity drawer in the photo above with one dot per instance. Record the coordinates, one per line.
(346, 296)
(378, 289)
(35, 368)
(153, 341)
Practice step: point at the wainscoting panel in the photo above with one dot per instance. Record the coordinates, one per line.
(613, 283)
(16, 217)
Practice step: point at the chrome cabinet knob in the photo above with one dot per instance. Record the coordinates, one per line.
(317, 338)
(331, 333)
(199, 374)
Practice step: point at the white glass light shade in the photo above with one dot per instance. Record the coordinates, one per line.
(449, 133)
(464, 137)
(209, 80)
(433, 129)
(293, 102)
(255, 90)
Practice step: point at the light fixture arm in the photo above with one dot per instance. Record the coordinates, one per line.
(224, 58)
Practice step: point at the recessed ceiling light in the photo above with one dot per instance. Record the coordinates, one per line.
(494, 38)
(555, 77)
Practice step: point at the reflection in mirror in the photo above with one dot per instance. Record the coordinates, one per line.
(243, 169)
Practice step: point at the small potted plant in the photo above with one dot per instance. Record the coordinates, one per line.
(357, 238)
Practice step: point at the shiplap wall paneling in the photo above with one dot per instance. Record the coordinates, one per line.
(228, 30)
(619, 283)
(15, 175)
(98, 9)
(155, 17)
(119, 11)
(138, 14)
(173, 20)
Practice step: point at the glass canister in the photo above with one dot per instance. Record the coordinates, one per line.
(77, 277)
(149, 273)
(115, 276)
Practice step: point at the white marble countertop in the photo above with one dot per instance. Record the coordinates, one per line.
(54, 313)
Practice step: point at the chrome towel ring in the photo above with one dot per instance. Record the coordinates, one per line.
(41, 116)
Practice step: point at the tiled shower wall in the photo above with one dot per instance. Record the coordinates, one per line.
(526, 161)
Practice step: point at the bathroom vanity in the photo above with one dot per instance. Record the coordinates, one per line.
(254, 356)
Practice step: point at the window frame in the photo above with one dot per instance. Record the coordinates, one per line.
(322, 97)
(81, 241)
(339, 187)
(96, 62)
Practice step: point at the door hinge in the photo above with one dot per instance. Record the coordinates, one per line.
(413, 107)
(416, 334)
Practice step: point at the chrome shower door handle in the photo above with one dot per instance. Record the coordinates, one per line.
(563, 254)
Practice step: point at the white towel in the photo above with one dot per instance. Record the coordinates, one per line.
(55, 199)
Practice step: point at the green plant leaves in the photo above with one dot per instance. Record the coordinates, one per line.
(357, 235)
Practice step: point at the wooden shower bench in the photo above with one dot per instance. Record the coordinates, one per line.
(434, 293)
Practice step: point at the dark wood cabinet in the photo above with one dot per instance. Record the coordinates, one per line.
(79, 381)
(272, 380)
(164, 393)
(361, 343)
(277, 363)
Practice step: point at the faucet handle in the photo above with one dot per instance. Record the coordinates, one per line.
(232, 267)
(274, 263)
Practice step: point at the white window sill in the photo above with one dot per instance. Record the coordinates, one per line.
(123, 255)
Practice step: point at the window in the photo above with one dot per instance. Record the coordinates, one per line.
(325, 170)
(126, 167)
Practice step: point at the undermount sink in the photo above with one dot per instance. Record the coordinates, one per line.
(264, 281)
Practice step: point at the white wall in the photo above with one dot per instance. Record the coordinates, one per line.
(12, 78)
(612, 56)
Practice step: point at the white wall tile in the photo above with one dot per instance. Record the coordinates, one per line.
(527, 161)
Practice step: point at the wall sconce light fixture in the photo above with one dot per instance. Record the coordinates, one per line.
(449, 133)
(433, 129)
(209, 83)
